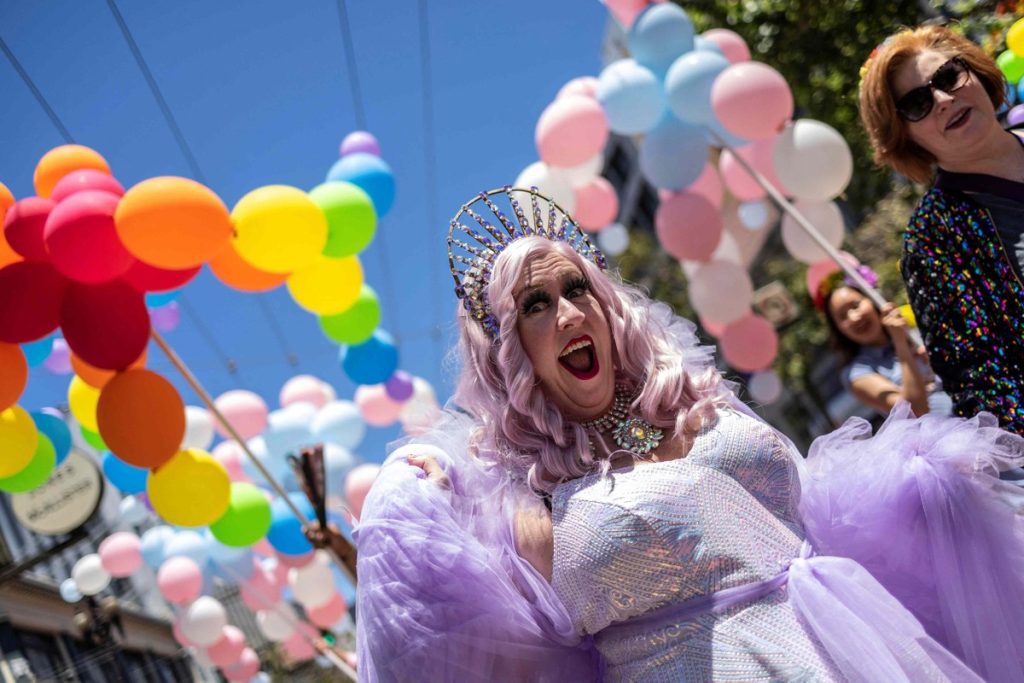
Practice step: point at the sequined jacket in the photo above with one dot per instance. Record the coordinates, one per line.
(969, 305)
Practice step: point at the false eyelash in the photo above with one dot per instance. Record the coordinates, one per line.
(577, 283)
(536, 296)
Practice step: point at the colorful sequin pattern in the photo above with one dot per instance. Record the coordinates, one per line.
(969, 307)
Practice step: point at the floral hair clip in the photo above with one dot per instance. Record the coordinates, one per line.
(838, 279)
(874, 53)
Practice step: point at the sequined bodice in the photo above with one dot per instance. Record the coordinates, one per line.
(654, 534)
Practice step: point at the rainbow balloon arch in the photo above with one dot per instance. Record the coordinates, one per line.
(102, 266)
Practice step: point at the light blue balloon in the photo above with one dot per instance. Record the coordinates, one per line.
(233, 565)
(339, 422)
(717, 134)
(69, 591)
(688, 86)
(129, 479)
(153, 543)
(285, 535)
(659, 35)
(631, 97)
(373, 361)
(707, 45)
(288, 430)
(277, 466)
(338, 462)
(370, 173)
(186, 543)
(38, 351)
(56, 429)
(158, 299)
(673, 155)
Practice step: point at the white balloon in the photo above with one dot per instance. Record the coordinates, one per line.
(765, 387)
(539, 175)
(69, 591)
(339, 422)
(613, 240)
(312, 585)
(132, 511)
(198, 428)
(278, 622)
(826, 217)
(89, 575)
(421, 411)
(582, 174)
(812, 160)
(204, 620)
(721, 291)
(754, 215)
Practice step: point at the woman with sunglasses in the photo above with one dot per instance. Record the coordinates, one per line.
(928, 101)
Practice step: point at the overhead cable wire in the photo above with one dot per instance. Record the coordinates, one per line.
(210, 339)
(64, 132)
(430, 170)
(193, 164)
(360, 114)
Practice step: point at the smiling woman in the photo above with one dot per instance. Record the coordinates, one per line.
(928, 100)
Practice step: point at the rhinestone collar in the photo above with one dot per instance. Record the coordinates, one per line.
(634, 434)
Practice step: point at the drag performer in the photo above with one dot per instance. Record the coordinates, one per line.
(686, 539)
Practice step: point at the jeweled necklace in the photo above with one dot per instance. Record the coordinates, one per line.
(631, 433)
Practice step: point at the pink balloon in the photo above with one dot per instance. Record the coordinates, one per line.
(822, 269)
(247, 666)
(59, 360)
(261, 590)
(327, 614)
(293, 561)
(597, 204)
(165, 318)
(304, 388)
(179, 635)
(227, 650)
(119, 554)
(180, 580)
(749, 344)
(229, 454)
(708, 184)
(715, 329)
(626, 11)
(730, 43)
(357, 485)
(263, 547)
(245, 410)
(689, 226)
(571, 130)
(584, 85)
(85, 179)
(376, 406)
(82, 241)
(752, 100)
(740, 183)
(297, 647)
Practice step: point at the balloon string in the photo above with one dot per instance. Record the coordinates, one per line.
(205, 397)
(325, 650)
(804, 224)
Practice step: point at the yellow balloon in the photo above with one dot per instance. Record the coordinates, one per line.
(190, 489)
(1015, 38)
(908, 314)
(18, 440)
(327, 286)
(279, 228)
(82, 399)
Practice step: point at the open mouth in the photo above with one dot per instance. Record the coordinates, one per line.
(579, 358)
(959, 120)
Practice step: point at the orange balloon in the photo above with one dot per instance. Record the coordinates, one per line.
(97, 377)
(7, 254)
(234, 271)
(60, 161)
(13, 374)
(141, 418)
(172, 222)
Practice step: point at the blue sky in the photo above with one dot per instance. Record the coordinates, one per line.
(262, 94)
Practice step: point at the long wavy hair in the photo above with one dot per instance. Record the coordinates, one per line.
(653, 351)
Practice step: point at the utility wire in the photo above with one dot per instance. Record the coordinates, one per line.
(64, 132)
(357, 105)
(210, 339)
(275, 327)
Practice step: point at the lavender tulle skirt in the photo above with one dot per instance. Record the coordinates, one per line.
(920, 505)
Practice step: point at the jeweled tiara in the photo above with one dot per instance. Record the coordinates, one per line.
(473, 248)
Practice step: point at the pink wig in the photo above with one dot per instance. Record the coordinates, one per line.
(522, 428)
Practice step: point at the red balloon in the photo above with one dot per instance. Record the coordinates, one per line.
(23, 227)
(85, 179)
(30, 299)
(82, 239)
(147, 278)
(106, 325)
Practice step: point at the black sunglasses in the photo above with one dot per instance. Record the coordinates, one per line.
(948, 78)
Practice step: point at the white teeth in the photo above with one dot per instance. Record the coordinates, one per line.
(574, 347)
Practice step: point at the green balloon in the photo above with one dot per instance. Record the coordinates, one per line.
(355, 325)
(93, 439)
(247, 518)
(36, 472)
(1012, 66)
(351, 218)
